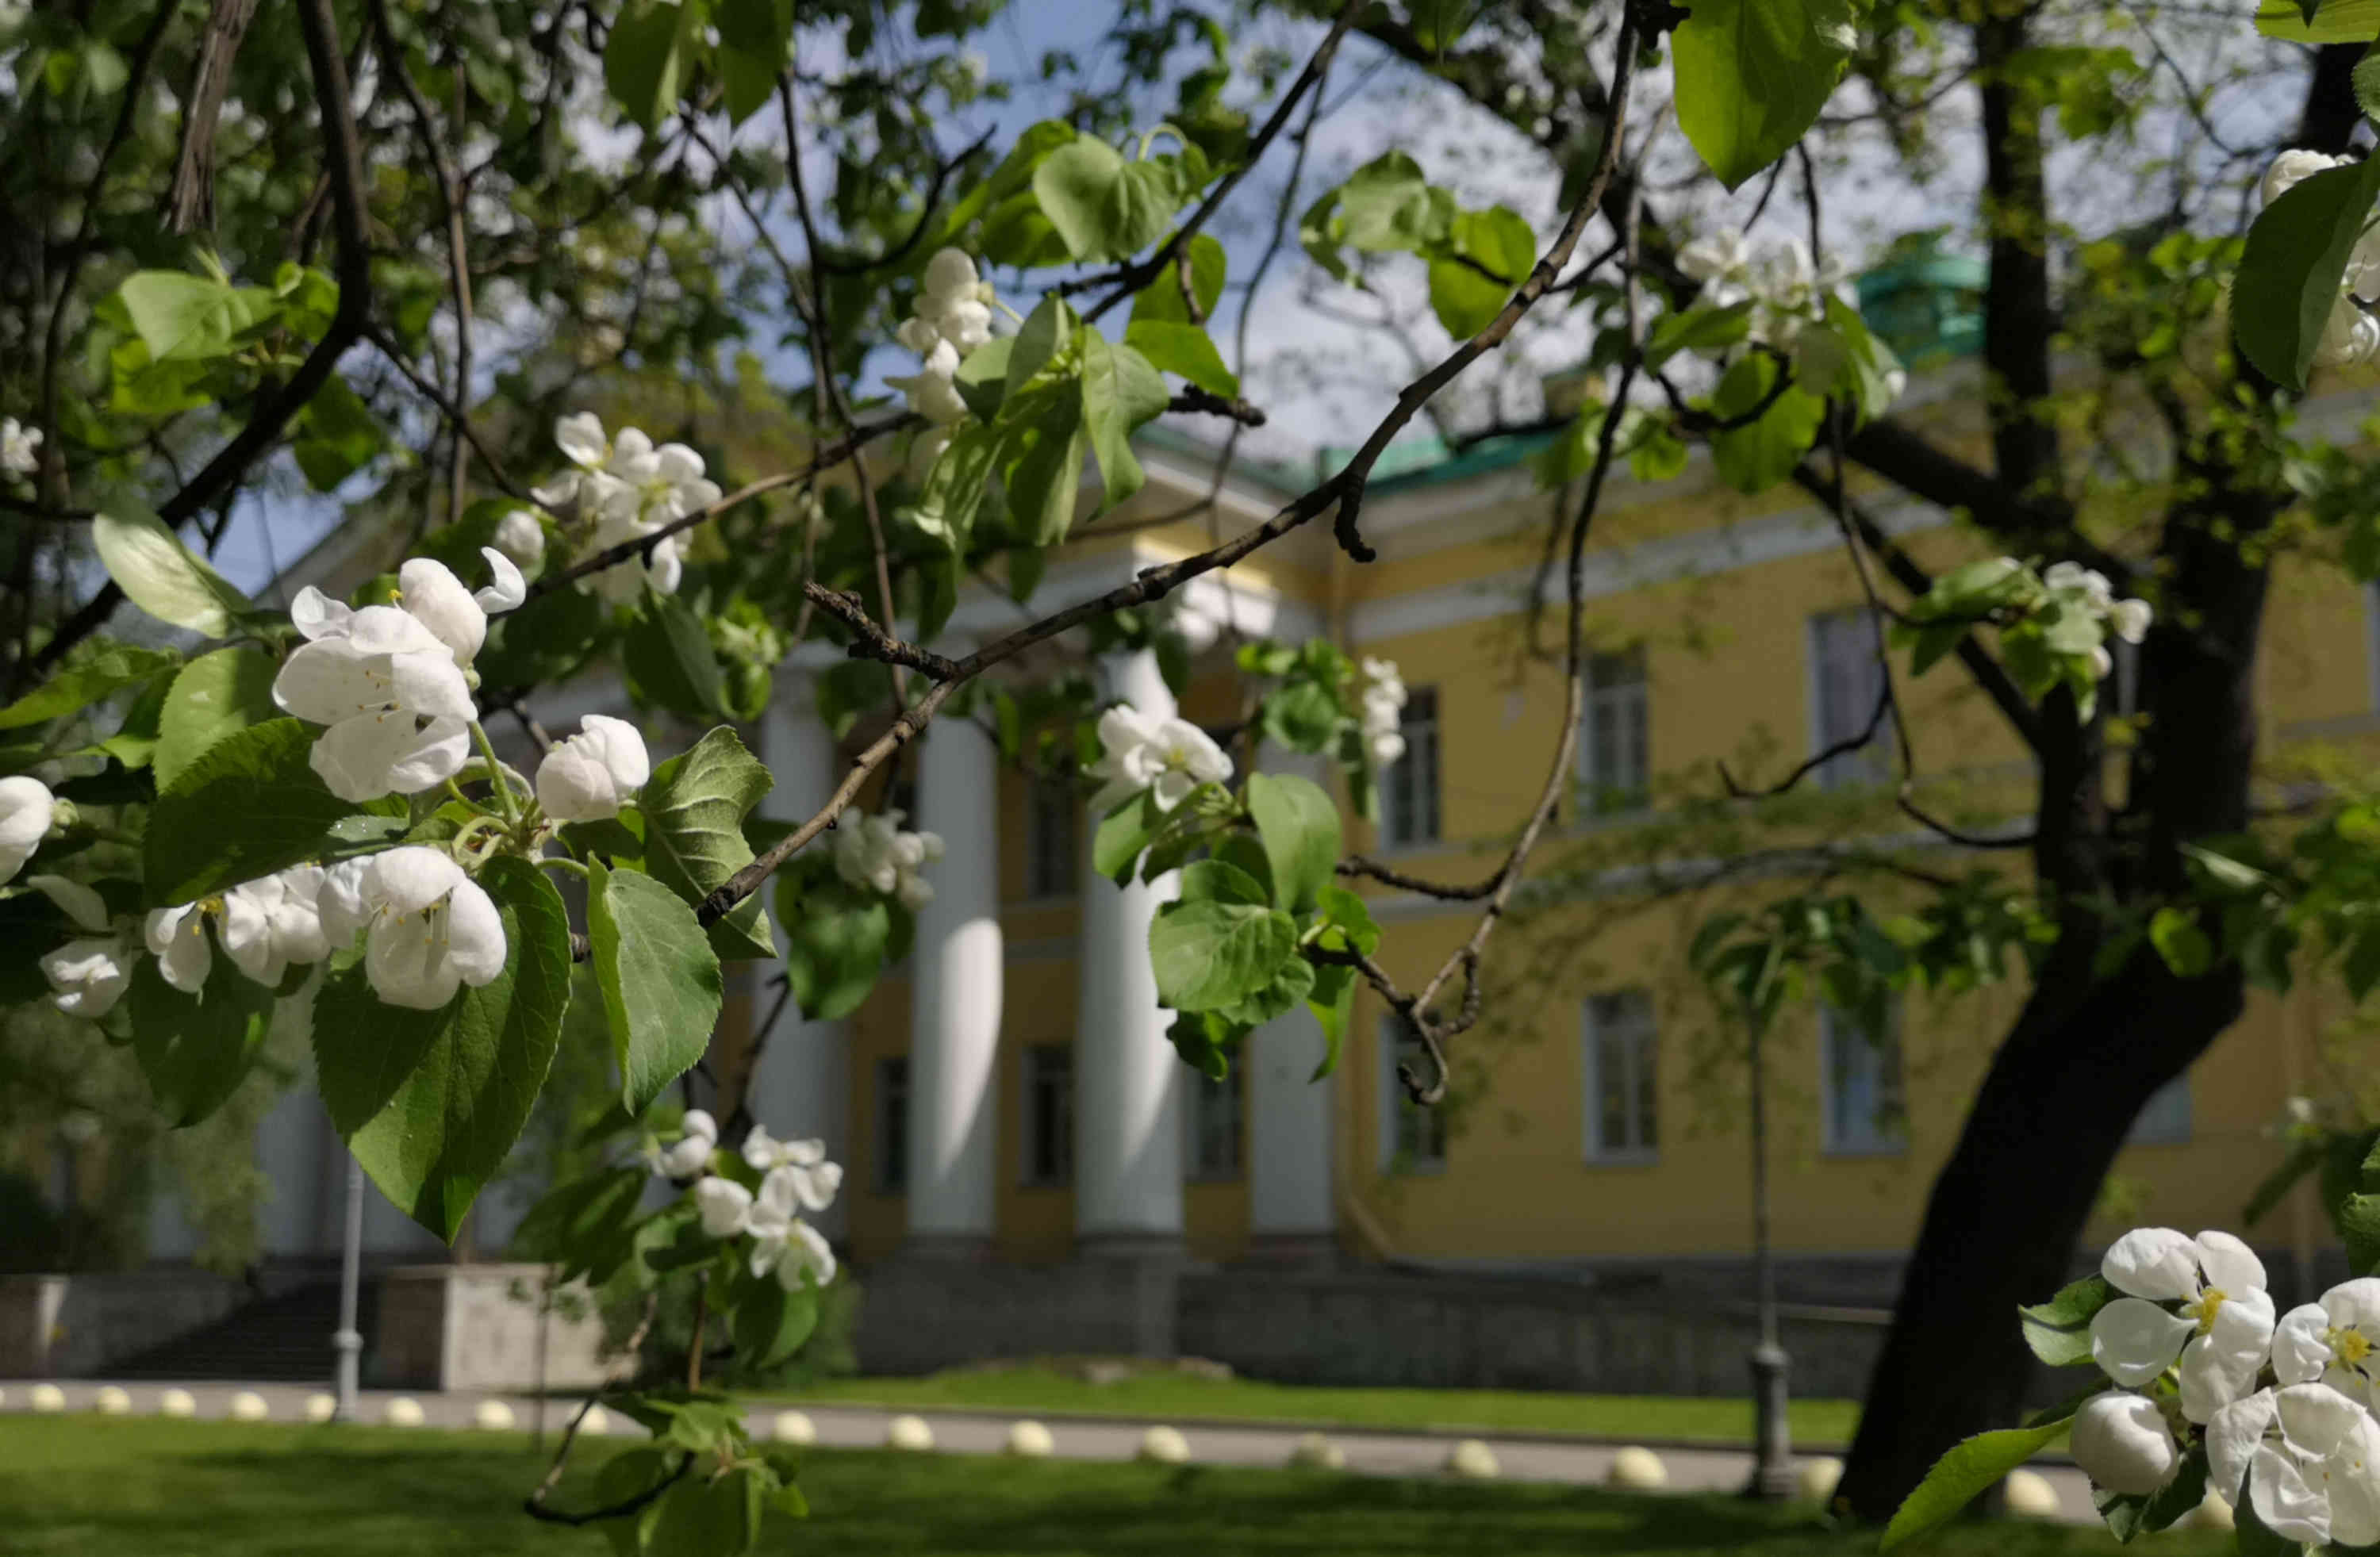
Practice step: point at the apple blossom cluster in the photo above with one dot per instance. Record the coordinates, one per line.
(2350, 334)
(795, 1176)
(392, 685)
(1384, 698)
(875, 854)
(21, 447)
(1789, 292)
(1167, 756)
(953, 316)
(2088, 587)
(2284, 1407)
(623, 489)
(29, 812)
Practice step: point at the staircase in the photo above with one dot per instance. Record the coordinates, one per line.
(285, 1339)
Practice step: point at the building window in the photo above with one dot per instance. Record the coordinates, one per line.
(893, 1123)
(1614, 772)
(1861, 1074)
(2163, 1119)
(1048, 1115)
(1409, 786)
(1216, 1119)
(1413, 1139)
(1620, 1072)
(1846, 683)
(1051, 809)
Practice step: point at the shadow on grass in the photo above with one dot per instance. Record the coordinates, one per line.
(283, 1491)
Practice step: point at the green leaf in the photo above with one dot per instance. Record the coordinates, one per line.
(1012, 177)
(755, 38)
(660, 978)
(1302, 716)
(1963, 1475)
(196, 1049)
(2329, 21)
(1332, 1001)
(1161, 300)
(1123, 834)
(2185, 947)
(1488, 255)
(700, 1517)
(1214, 881)
(1183, 348)
(1292, 982)
(1299, 827)
(2290, 270)
(1211, 955)
(2060, 1331)
(545, 640)
(646, 59)
(244, 807)
(160, 575)
(2128, 1515)
(836, 941)
(430, 1102)
(1047, 330)
(1752, 76)
(215, 695)
(1387, 206)
(1102, 205)
(185, 318)
(107, 669)
(1700, 327)
(669, 658)
(577, 1223)
(1757, 456)
(694, 809)
(1043, 473)
(1350, 919)
(956, 487)
(1104, 421)
(982, 378)
(771, 1323)
(336, 435)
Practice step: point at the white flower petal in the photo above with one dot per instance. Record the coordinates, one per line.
(436, 598)
(580, 439)
(509, 589)
(2122, 1444)
(2153, 1262)
(2300, 1353)
(724, 1206)
(475, 935)
(2315, 1419)
(2287, 1505)
(2231, 1266)
(2133, 1340)
(404, 957)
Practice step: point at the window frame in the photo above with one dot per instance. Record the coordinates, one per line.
(1393, 1040)
(889, 1141)
(1599, 801)
(1419, 723)
(1201, 1088)
(1865, 765)
(1042, 790)
(1643, 1090)
(1031, 1077)
(1891, 1083)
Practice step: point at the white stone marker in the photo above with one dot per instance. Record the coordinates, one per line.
(46, 1398)
(1164, 1445)
(403, 1411)
(111, 1402)
(908, 1433)
(1473, 1461)
(792, 1426)
(1637, 1469)
(177, 1402)
(1315, 1451)
(2030, 1495)
(1031, 1441)
(492, 1415)
(596, 1423)
(250, 1407)
(1818, 1478)
(321, 1407)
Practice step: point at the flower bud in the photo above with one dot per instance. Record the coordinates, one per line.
(2121, 1442)
(589, 775)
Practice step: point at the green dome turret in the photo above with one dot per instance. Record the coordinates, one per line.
(1926, 304)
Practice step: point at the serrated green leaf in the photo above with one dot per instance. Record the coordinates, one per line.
(1213, 880)
(160, 575)
(1178, 347)
(1208, 955)
(694, 809)
(837, 938)
(1123, 834)
(669, 660)
(1752, 76)
(2291, 270)
(107, 669)
(2320, 22)
(215, 695)
(1963, 1475)
(183, 318)
(701, 1517)
(771, 1323)
(196, 1049)
(1299, 830)
(1106, 424)
(660, 979)
(244, 807)
(1486, 255)
(2060, 1331)
(430, 1102)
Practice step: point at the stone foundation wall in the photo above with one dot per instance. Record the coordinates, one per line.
(478, 1327)
(69, 1326)
(917, 1315)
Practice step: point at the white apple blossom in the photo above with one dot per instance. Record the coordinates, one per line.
(2306, 1457)
(521, 538)
(724, 1206)
(1383, 698)
(28, 811)
(178, 938)
(800, 1166)
(89, 975)
(691, 1153)
(507, 589)
(2335, 1340)
(624, 489)
(932, 392)
(876, 854)
(661, 566)
(2123, 1442)
(2128, 619)
(21, 447)
(396, 704)
(1167, 756)
(434, 597)
(430, 929)
(588, 775)
(2199, 1302)
(274, 922)
(1787, 288)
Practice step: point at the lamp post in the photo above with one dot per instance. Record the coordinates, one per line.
(347, 1341)
(1772, 1442)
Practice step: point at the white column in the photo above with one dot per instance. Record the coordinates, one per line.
(954, 993)
(801, 1088)
(1127, 1079)
(1293, 1214)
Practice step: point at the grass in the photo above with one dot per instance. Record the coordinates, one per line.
(1169, 1396)
(102, 1487)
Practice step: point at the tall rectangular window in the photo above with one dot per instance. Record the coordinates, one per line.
(891, 1144)
(1051, 808)
(1412, 1136)
(1048, 1115)
(1409, 787)
(1614, 769)
(1216, 1119)
(1860, 1074)
(1846, 683)
(2163, 1119)
(1621, 1110)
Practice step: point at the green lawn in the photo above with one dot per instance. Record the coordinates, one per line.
(105, 1488)
(1168, 1396)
